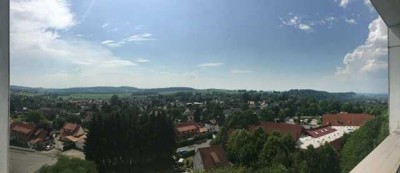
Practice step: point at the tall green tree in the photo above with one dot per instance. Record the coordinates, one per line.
(119, 142)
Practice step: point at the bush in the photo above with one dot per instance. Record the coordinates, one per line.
(69, 165)
(197, 138)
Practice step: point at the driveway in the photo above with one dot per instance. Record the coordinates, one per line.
(29, 162)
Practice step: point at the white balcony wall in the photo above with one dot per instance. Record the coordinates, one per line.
(4, 84)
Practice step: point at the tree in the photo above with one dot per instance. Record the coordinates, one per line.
(131, 143)
(70, 165)
(241, 148)
(361, 142)
(35, 117)
(115, 100)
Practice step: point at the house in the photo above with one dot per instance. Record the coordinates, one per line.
(212, 126)
(346, 119)
(210, 158)
(71, 129)
(189, 114)
(187, 130)
(21, 133)
(28, 135)
(293, 130)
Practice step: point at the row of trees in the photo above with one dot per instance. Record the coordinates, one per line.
(360, 143)
(274, 153)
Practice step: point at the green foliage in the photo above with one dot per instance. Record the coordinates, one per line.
(187, 142)
(35, 117)
(187, 154)
(70, 165)
(274, 153)
(242, 119)
(241, 148)
(222, 137)
(131, 143)
(323, 159)
(360, 143)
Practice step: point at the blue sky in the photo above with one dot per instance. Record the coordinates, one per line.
(232, 44)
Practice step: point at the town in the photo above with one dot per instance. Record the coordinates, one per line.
(208, 125)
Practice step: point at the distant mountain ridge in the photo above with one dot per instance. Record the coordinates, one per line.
(95, 90)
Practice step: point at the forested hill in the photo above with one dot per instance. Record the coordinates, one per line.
(95, 90)
(320, 94)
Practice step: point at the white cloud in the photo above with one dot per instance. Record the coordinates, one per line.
(350, 21)
(240, 71)
(140, 37)
(212, 64)
(137, 39)
(105, 25)
(296, 22)
(369, 60)
(330, 19)
(142, 60)
(291, 21)
(107, 41)
(41, 57)
(344, 3)
(304, 27)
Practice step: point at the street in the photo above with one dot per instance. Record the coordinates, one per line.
(29, 162)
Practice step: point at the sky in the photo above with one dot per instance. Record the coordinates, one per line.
(334, 45)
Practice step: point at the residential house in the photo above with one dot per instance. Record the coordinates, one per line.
(71, 129)
(27, 135)
(210, 158)
(73, 133)
(187, 130)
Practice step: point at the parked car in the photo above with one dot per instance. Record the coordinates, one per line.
(48, 147)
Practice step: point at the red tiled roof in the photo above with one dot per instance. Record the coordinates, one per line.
(213, 157)
(320, 131)
(22, 127)
(293, 130)
(187, 126)
(70, 126)
(346, 119)
(69, 129)
(337, 144)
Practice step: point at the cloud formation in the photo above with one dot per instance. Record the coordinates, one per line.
(139, 38)
(307, 25)
(40, 56)
(344, 3)
(350, 21)
(368, 60)
(212, 64)
(296, 22)
(142, 60)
